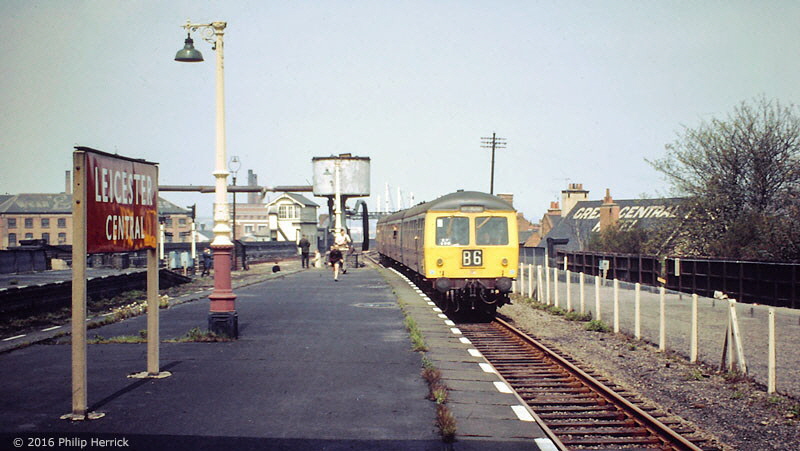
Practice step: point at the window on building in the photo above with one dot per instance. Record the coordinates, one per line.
(46, 238)
(167, 222)
(28, 223)
(12, 223)
(45, 223)
(248, 229)
(12, 239)
(62, 238)
(287, 212)
(182, 221)
(62, 223)
(28, 236)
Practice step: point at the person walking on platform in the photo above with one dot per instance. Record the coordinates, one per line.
(341, 240)
(304, 246)
(208, 263)
(336, 259)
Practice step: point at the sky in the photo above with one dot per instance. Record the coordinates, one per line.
(582, 91)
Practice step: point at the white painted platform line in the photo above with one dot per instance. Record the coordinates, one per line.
(465, 340)
(487, 368)
(442, 315)
(51, 328)
(426, 298)
(448, 322)
(13, 338)
(437, 310)
(522, 413)
(474, 353)
(502, 387)
(545, 444)
(455, 330)
(431, 303)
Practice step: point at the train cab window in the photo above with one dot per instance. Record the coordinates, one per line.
(491, 231)
(452, 231)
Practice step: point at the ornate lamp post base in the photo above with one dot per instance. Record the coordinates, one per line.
(222, 316)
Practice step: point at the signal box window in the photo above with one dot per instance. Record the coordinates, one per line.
(452, 231)
(491, 231)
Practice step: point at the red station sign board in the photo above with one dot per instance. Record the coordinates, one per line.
(121, 203)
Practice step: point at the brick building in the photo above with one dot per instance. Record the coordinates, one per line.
(49, 217)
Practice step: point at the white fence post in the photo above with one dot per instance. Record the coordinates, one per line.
(569, 290)
(539, 293)
(597, 297)
(616, 306)
(771, 353)
(530, 281)
(547, 282)
(693, 332)
(662, 322)
(583, 298)
(555, 286)
(637, 320)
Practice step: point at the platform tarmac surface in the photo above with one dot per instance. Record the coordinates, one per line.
(318, 365)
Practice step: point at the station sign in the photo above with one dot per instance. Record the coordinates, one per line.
(121, 203)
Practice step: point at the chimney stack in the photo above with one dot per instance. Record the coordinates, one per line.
(571, 196)
(609, 211)
(68, 184)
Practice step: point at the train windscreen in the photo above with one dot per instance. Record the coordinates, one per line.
(491, 231)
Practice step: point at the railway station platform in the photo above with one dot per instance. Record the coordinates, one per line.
(318, 365)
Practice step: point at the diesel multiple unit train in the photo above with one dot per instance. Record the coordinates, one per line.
(463, 246)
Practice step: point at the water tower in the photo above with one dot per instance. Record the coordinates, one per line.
(339, 178)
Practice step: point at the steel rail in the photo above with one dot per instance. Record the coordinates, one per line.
(653, 425)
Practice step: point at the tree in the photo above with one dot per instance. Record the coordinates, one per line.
(741, 180)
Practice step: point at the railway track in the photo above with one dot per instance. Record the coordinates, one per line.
(579, 408)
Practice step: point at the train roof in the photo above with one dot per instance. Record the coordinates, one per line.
(453, 202)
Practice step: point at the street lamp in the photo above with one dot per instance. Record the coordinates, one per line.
(234, 166)
(222, 316)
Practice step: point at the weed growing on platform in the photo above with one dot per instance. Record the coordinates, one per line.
(438, 393)
(196, 335)
(417, 340)
(141, 338)
(596, 325)
(446, 422)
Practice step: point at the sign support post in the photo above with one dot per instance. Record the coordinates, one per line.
(114, 209)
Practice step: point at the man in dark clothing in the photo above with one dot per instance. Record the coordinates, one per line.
(336, 258)
(208, 262)
(304, 246)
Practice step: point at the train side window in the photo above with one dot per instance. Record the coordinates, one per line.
(452, 231)
(491, 231)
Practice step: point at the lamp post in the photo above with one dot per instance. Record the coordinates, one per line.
(234, 166)
(222, 316)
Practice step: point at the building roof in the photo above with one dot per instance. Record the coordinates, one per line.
(38, 203)
(297, 198)
(34, 203)
(584, 218)
(167, 207)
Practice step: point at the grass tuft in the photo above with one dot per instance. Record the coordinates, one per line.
(446, 422)
(196, 335)
(597, 325)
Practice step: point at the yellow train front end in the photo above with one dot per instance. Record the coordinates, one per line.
(471, 256)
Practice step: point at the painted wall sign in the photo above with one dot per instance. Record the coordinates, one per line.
(121, 203)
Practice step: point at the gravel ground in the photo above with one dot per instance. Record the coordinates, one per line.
(739, 414)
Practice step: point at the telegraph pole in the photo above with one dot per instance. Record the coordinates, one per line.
(493, 143)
